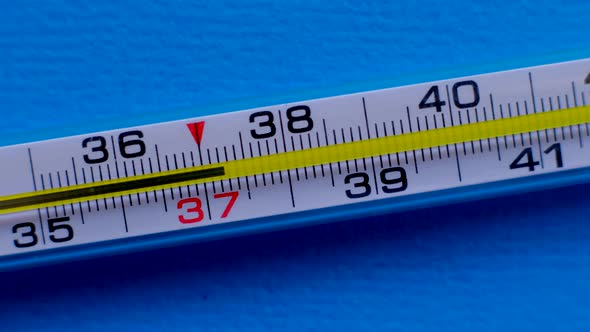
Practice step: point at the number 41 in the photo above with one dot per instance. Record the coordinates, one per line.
(526, 159)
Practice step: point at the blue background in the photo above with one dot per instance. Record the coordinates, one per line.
(520, 262)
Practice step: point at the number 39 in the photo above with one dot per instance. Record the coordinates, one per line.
(391, 185)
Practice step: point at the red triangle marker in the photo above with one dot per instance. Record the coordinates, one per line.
(196, 129)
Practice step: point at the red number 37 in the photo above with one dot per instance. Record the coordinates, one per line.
(193, 207)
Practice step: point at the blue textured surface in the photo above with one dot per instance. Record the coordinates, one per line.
(520, 262)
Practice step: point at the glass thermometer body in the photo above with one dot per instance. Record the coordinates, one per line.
(157, 213)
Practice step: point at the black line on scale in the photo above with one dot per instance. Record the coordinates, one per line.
(276, 152)
(526, 111)
(458, 164)
(204, 184)
(92, 180)
(584, 103)
(372, 163)
(559, 107)
(435, 127)
(378, 136)
(552, 108)
(35, 188)
(360, 139)
(135, 174)
(243, 157)
(77, 193)
(76, 181)
(401, 125)
(167, 169)
(84, 179)
(532, 92)
(302, 148)
(118, 177)
(540, 151)
(509, 116)
(444, 125)
(110, 178)
(193, 164)
(313, 168)
(344, 141)
(124, 215)
(576, 105)
(207, 191)
(409, 119)
(126, 175)
(32, 169)
(233, 147)
(147, 197)
(43, 188)
(461, 123)
(285, 150)
(252, 155)
(51, 186)
(477, 121)
(518, 114)
(160, 170)
(397, 153)
(356, 163)
(385, 134)
(428, 128)
(494, 118)
(111, 188)
(221, 181)
(176, 167)
(101, 179)
(336, 142)
(317, 137)
(434, 116)
(328, 143)
(413, 151)
(452, 124)
(449, 103)
(59, 186)
(231, 187)
(366, 118)
(539, 139)
(68, 183)
(543, 110)
(567, 105)
(506, 137)
(151, 166)
(421, 150)
(567, 102)
(469, 122)
(297, 176)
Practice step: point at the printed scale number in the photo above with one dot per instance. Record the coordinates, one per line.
(289, 158)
